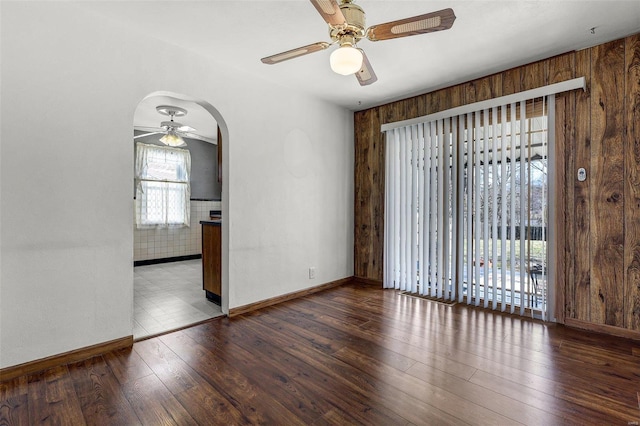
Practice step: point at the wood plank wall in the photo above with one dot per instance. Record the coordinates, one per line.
(598, 253)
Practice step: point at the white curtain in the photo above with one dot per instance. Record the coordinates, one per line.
(162, 186)
(466, 207)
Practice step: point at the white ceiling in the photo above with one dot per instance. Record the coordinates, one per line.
(487, 36)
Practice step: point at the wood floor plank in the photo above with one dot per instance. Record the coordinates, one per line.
(435, 342)
(600, 357)
(335, 417)
(468, 331)
(256, 405)
(450, 402)
(127, 365)
(201, 400)
(52, 398)
(276, 382)
(568, 411)
(404, 404)
(309, 386)
(334, 329)
(99, 393)
(208, 406)
(407, 352)
(502, 404)
(353, 354)
(166, 365)
(541, 375)
(608, 405)
(154, 404)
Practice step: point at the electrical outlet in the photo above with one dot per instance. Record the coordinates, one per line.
(312, 272)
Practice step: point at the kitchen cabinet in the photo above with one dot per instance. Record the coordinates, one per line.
(212, 259)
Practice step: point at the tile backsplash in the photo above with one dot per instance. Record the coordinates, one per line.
(158, 243)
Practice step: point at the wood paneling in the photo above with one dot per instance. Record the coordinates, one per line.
(561, 68)
(535, 75)
(598, 221)
(369, 197)
(632, 188)
(580, 287)
(483, 89)
(607, 184)
(511, 82)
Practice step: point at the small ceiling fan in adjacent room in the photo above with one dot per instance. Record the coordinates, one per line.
(173, 131)
(347, 27)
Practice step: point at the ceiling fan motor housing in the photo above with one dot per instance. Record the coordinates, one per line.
(170, 125)
(355, 27)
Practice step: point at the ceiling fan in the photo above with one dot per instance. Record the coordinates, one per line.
(173, 131)
(347, 27)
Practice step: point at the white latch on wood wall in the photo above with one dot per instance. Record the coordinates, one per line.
(582, 174)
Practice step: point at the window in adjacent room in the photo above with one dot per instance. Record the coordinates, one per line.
(162, 186)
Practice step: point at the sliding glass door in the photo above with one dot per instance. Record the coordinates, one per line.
(467, 208)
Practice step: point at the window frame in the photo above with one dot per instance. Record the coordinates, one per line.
(158, 182)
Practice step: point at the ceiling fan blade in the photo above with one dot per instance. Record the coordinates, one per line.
(330, 12)
(186, 128)
(191, 135)
(366, 76)
(422, 24)
(146, 134)
(294, 53)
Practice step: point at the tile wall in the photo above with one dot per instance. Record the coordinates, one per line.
(159, 243)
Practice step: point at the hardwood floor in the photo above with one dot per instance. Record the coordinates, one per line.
(353, 354)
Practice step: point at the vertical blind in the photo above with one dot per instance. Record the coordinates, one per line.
(466, 207)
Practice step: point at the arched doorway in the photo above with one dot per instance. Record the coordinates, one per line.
(180, 188)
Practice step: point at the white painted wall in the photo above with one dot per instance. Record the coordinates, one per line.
(70, 84)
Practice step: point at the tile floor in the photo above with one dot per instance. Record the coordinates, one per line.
(169, 296)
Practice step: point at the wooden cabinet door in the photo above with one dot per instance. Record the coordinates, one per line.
(212, 259)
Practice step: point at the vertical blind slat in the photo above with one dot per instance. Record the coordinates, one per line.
(477, 206)
(421, 206)
(447, 209)
(434, 211)
(402, 201)
(494, 209)
(414, 207)
(396, 208)
(469, 206)
(503, 205)
(485, 231)
(440, 237)
(426, 260)
(408, 217)
(512, 212)
(459, 155)
(523, 156)
(543, 268)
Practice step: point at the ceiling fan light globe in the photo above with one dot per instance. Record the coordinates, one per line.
(346, 60)
(171, 139)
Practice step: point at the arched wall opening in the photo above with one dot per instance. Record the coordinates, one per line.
(200, 108)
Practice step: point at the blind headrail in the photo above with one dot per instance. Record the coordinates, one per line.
(563, 86)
